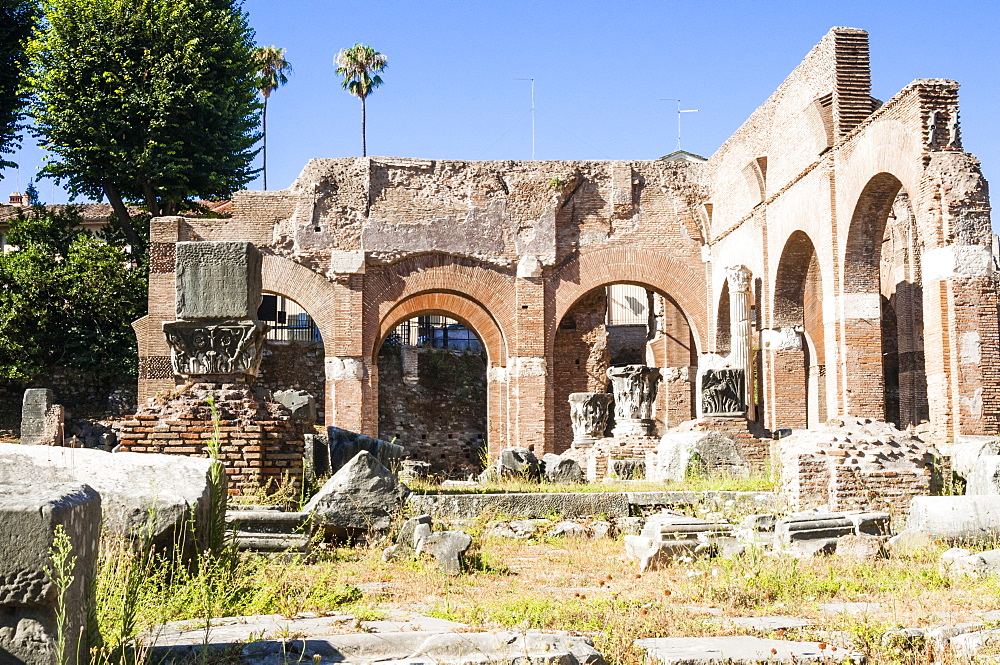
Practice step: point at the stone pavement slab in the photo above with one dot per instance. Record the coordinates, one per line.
(739, 649)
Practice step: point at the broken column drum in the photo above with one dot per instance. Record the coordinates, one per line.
(218, 292)
(588, 413)
(635, 392)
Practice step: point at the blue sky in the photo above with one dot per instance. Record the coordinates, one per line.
(600, 70)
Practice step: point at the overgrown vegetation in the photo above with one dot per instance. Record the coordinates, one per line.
(16, 20)
(67, 298)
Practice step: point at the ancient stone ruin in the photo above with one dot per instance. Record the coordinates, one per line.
(871, 295)
(215, 345)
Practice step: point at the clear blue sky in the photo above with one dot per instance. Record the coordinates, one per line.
(600, 69)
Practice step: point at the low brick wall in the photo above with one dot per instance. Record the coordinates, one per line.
(260, 445)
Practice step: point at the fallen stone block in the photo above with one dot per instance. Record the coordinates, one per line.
(362, 497)
(811, 526)
(30, 515)
(951, 519)
(967, 452)
(651, 554)
(559, 469)
(518, 463)
(449, 548)
(142, 494)
(740, 649)
(968, 645)
(567, 529)
(681, 454)
(666, 526)
(413, 531)
(984, 479)
(861, 547)
(959, 562)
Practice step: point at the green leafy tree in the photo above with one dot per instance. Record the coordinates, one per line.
(145, 101)
(16, 20)
(271, 69)
(67, 298)
(360, 66)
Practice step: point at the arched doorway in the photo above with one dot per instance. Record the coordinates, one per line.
(436, 393)
(622, 323)
(796, 348)
(883, 308)
(293, 350)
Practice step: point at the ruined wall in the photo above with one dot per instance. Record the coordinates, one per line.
(295, 366)
(438, 413)
(509, 248)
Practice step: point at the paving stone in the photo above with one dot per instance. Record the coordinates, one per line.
(768, 623)
(738, 649)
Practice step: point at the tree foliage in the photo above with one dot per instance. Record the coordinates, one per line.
(16, 20)
(146, 101)
(271, 69)
(67, 298)
(360, 66)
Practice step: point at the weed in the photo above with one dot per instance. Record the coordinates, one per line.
(61, 574)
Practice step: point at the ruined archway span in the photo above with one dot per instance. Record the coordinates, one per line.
(864, 238)
(491, 288)
(311, 290)
(453, 305)
(683, 282)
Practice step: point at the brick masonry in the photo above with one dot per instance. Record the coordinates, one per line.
(260, 445)
(865, 225)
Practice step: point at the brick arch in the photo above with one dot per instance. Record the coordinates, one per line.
(798, 264)
(681, 282)
(311, 290)
(453, 305)
(492, 288)
(864, 238)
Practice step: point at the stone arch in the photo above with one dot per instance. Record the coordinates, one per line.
(454, 305)
(683, 282)
(477, 318)
(883, 316)
(311, 290)
(490, 287)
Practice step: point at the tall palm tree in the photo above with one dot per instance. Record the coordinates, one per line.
(357, 65)
(271, 69)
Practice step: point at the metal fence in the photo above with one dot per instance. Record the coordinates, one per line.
(288, 320)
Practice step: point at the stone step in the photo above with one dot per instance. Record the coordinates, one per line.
(261, 542)
(267, 521)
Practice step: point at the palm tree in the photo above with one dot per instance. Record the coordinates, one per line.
(357, 65)
(271, 68)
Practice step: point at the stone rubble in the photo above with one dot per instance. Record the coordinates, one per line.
(363, 497)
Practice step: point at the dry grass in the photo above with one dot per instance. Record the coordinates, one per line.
(589, 587)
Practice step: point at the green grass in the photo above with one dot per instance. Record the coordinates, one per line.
(708, 484)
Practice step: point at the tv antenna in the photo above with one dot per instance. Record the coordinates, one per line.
(532, 116)
(679, 111)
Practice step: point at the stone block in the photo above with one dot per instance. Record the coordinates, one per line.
(299, 402)
(218, 280)
(143, 494)
(41, 420)
(362, 497)
(562, 469)
(985, 477)
(952, 519)
(739, 649)
(29, 597)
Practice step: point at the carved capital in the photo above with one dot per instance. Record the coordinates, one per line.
(723, 392)
(225, 347)
(588, 413)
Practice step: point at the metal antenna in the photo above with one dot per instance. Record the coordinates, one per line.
(679, 111)
(532, 116)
